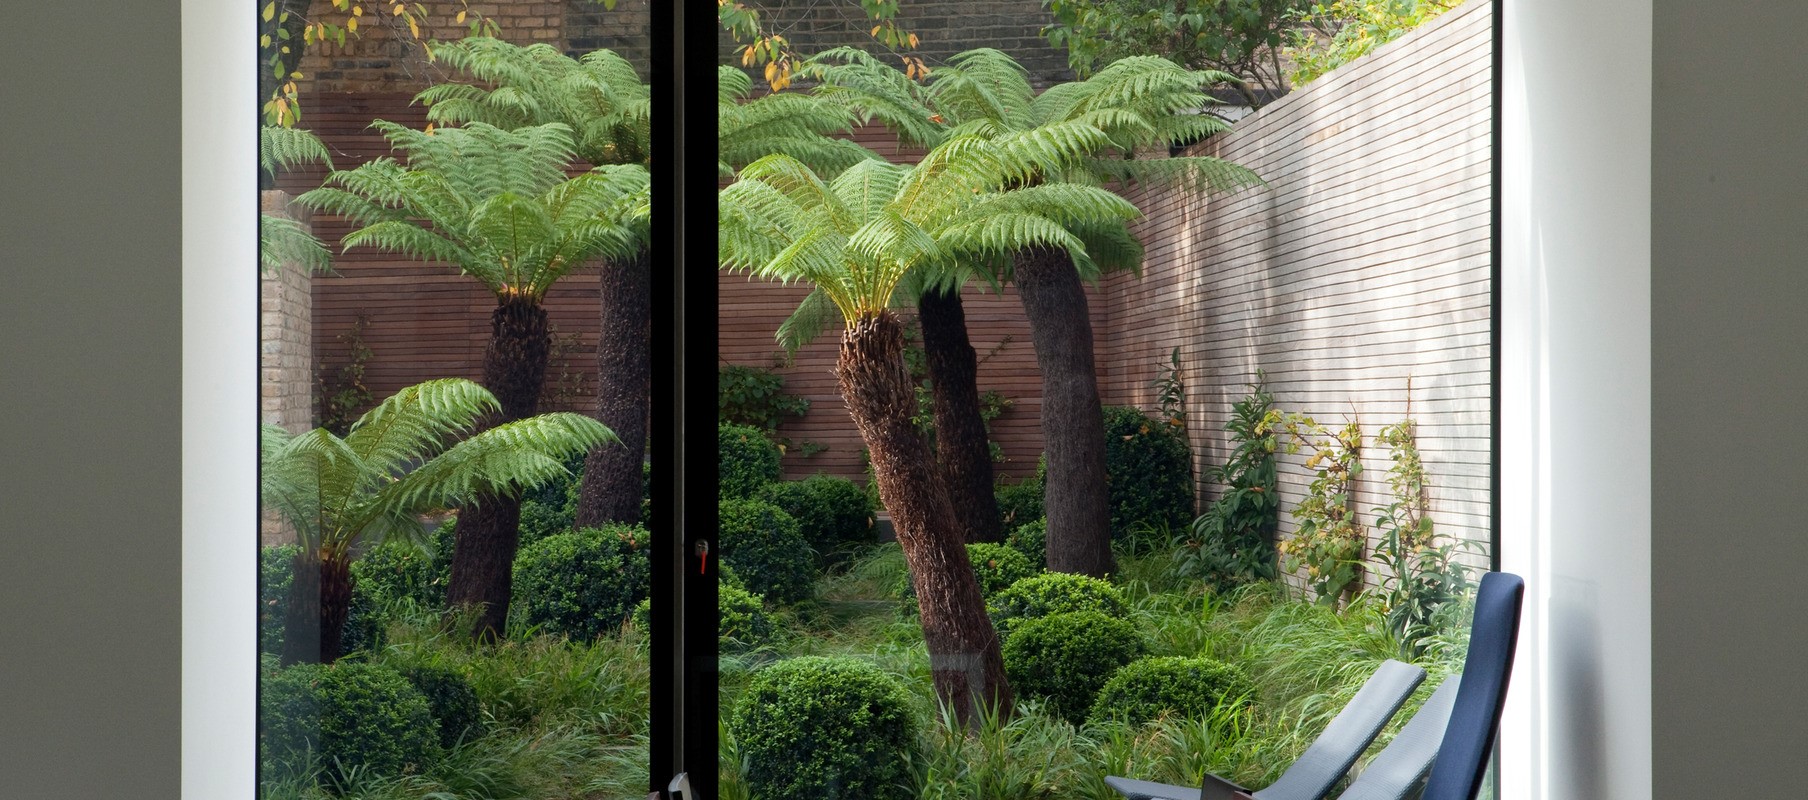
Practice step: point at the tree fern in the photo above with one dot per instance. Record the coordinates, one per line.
(284, 241)
(799, 125)
(599, 98)
(497, 204)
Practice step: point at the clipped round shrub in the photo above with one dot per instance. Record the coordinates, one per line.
(745, 460)
(1149, 472)
(350, 716)
(450, 699)
(1054, 593)
(541, 519)
(396, 571)
(825, 727)
(1020, 503)
(1176, 686)
(834, 514)
(995, 565)
(741, 618)
(275, 574)
(1066, 658)
(767, 550)
(1031, 539)
(998, 566)
(583, 584)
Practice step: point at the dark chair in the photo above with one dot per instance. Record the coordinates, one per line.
(1401, 765)
(1324, 762)
(1475, 720)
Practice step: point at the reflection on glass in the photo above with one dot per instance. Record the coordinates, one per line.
(1102, 393)
(455, 379)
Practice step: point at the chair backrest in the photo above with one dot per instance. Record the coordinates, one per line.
(1469, 738)
(1349, 733)
(1399, 766)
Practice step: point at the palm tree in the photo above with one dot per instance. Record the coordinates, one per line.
(498, 205)
(1145, 106)
(855, 239)
(393, 465)
(601, 97)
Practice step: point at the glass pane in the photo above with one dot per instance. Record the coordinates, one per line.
(1105, 391)
(455, 373)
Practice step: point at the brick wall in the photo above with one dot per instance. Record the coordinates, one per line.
(1363, 264)
(285, 350)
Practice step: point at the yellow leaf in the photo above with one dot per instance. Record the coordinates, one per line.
(413, 28)
(913, 41)
(263, 41)
(875, 32)
(270, 11)
(352, 24)
(358, 11)
(397, 10)
(771, 70)
(461, 18)
(429, 129)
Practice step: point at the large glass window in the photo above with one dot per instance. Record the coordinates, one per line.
(1106, 389)
(456, 375)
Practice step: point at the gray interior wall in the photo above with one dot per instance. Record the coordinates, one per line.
(1729, 277)
(90, 365)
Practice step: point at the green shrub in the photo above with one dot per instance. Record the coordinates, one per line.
(1031, 539)
(995, 565)
(767, 550)
(540, 519)
(1149, 470)
(347, 718)
(275, 574)
(450, 699)
(998, 566)
(825, 727)
(1021, 503)
(834, 514)
(741, 618)
(745, 460)
(585, 583)
(1066, 658)
(1189, 688)
(396, 571)
(755, 397)
(1055, 593)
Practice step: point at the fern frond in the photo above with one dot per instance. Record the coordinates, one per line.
(288, 148)
(284, 241)
(504, 460)
(408, 426)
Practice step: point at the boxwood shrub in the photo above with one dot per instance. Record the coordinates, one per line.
(583, 584)
(834, 514)
(995, 565)
(1031, 540)
(1149, 472)
(825, 727)
(1054, 593)
(1066, 658)
(349, 717)
(450, 699)
(1021, 503)
(745, 460)
(767, 551)
(1170, 686)
(276, 573)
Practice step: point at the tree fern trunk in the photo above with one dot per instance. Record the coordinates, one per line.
(483, 554)
(963, 648)
(612, 476)
(1073, 426)
(961, 447)
(301, 617)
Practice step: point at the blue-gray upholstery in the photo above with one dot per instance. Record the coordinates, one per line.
(1325, 761)
(1396, 770)
(1469, 738)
